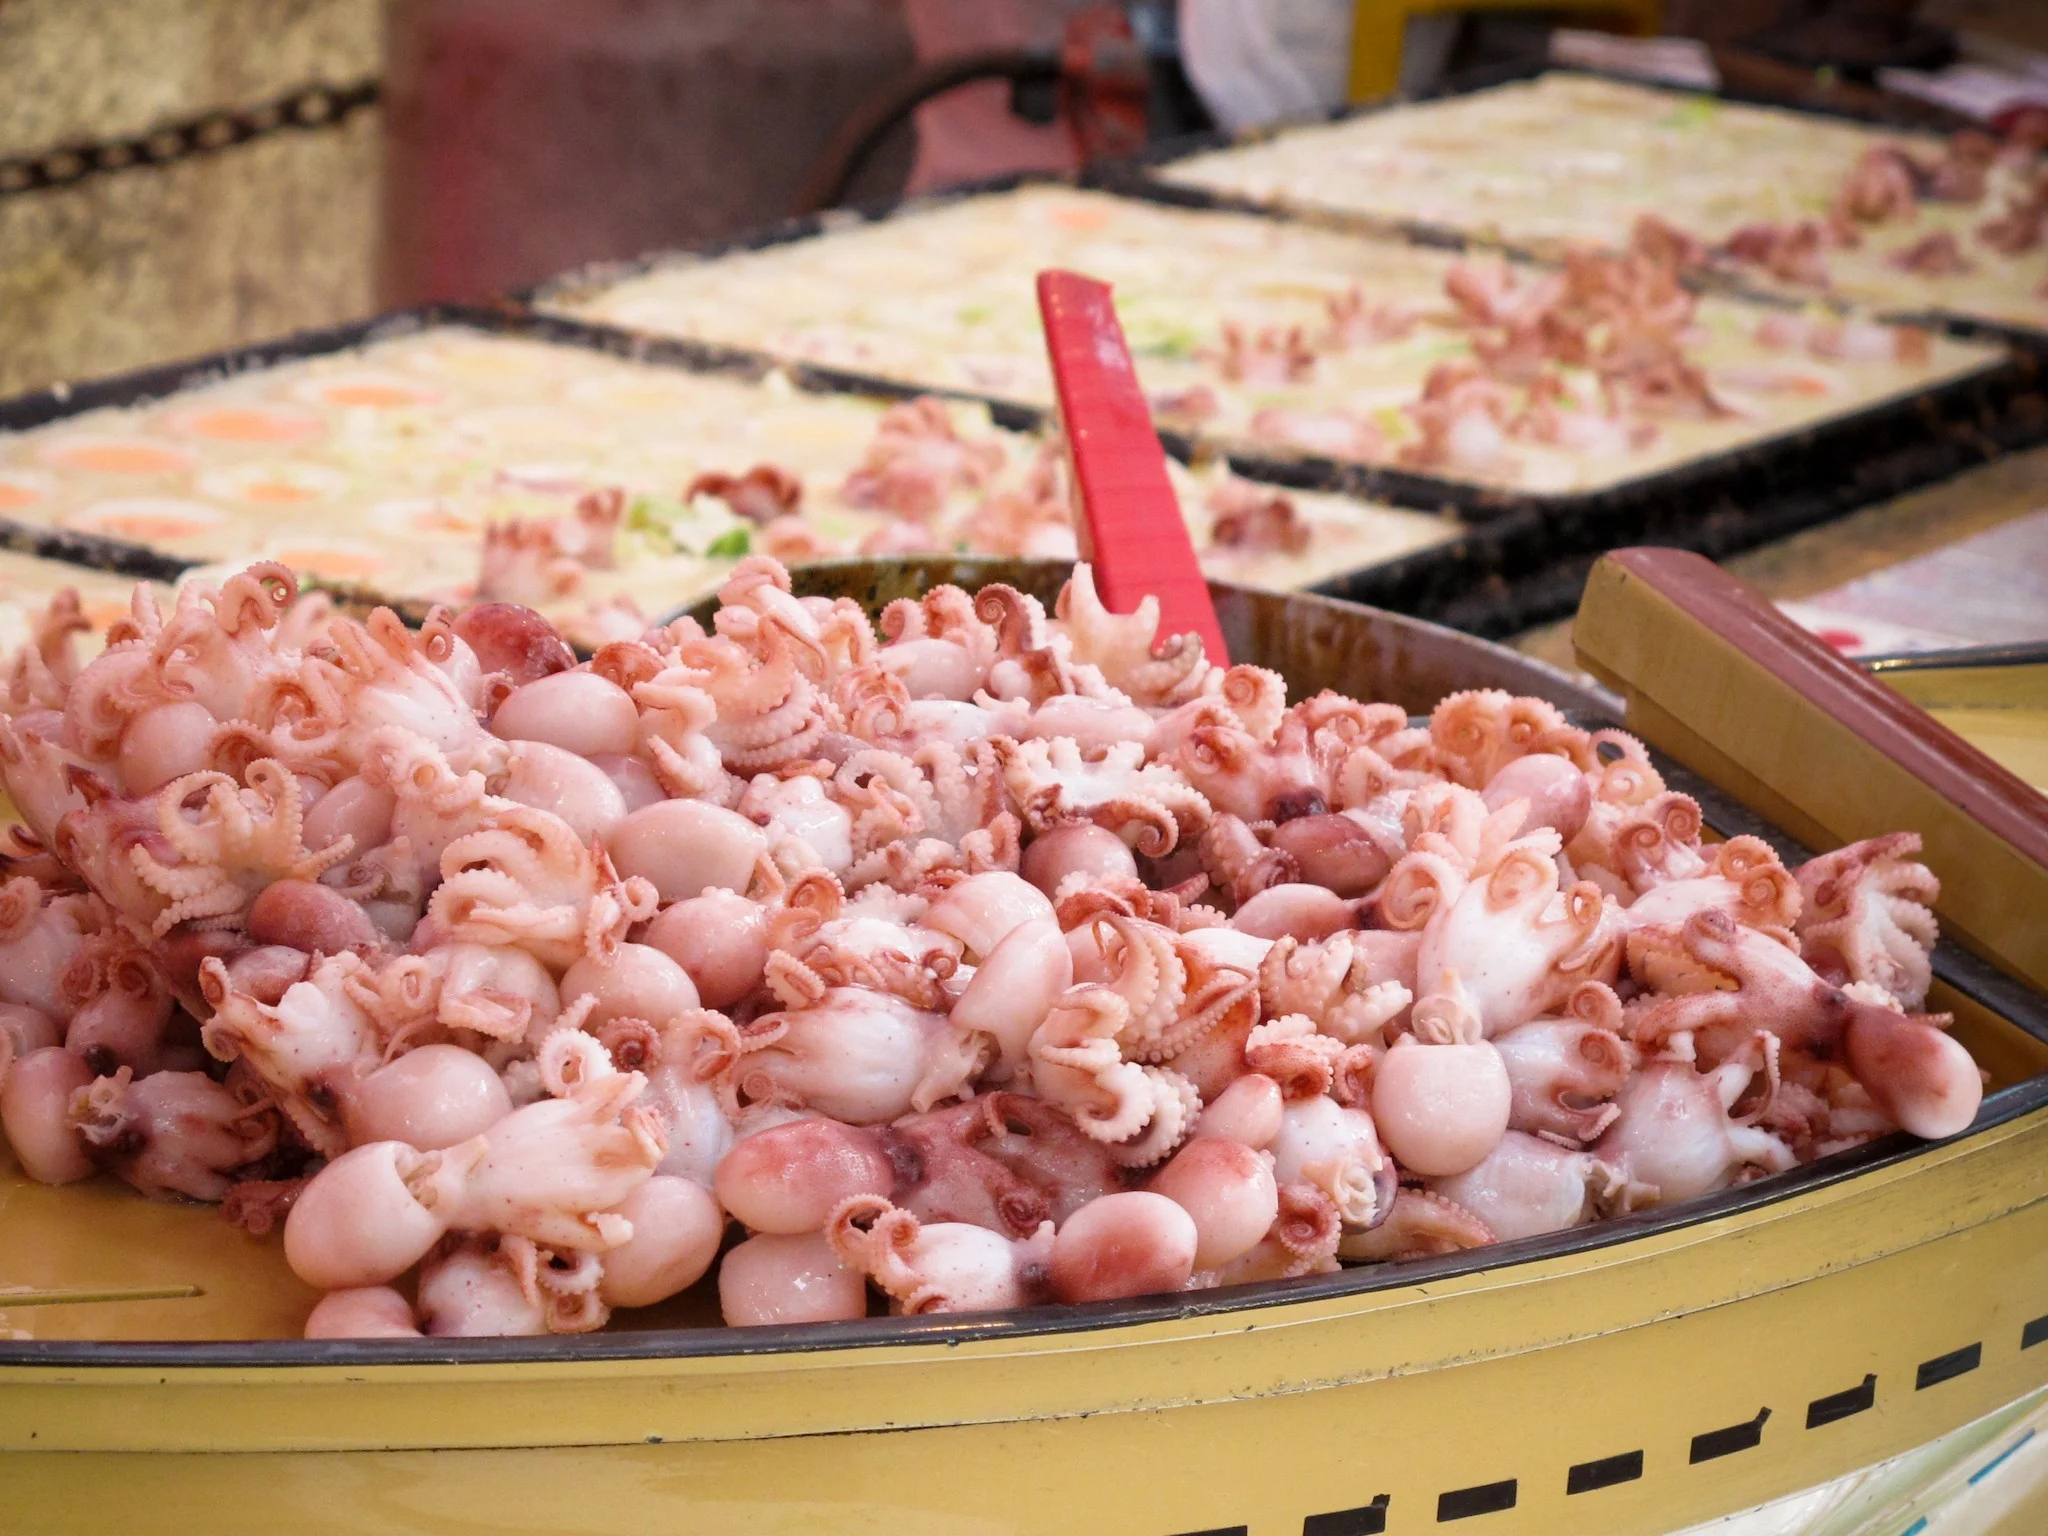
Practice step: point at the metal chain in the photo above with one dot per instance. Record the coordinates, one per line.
(310, 107)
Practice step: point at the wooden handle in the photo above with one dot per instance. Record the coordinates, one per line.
(1137, 537)
(1729, 686)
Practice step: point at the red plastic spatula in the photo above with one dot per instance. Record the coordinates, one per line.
(1136, 537)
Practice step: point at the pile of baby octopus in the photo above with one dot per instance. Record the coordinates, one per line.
(919, 469)
(997, 959)
(2006, 181)
(1594, 358)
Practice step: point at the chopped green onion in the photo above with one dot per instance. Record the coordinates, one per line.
(1697, 113)
(731, 544)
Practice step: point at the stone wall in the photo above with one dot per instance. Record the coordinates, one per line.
(146, 265)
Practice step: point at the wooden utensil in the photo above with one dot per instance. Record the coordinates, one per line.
(1736, 691)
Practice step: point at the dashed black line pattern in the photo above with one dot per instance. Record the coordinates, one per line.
(1957, 1362)
(1366, 1520)
(1607, 1472)
(1482, 1499)
(1726, 1442)
(1841, 1405)
(1627, 1466)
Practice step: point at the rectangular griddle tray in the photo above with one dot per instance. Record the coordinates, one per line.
(42, 407)
(1525, 557)
(39, 408)
(1133, 177)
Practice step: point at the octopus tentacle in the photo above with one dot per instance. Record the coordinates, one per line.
(1420, 1225)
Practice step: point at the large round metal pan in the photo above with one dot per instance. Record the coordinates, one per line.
(1633, 1376)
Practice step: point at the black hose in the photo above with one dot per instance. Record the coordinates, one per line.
(870, 123)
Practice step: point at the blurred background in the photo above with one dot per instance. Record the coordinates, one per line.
(181, 175)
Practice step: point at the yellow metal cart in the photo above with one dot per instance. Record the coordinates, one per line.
(1379, 30)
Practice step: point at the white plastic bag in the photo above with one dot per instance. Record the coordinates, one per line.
(1260, 61)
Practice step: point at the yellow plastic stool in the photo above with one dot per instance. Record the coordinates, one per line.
(1379, 28)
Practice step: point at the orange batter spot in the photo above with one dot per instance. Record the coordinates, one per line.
(439, 521)
(122, 458)
(1805, 384)
(13, 494)
(334, 564)
(276, 492)
(146, 527)
(1083, 220)
(381, 396)
(248, 425)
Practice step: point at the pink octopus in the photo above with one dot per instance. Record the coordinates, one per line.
(991, 957)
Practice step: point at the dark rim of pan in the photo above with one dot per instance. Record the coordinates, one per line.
(1971, 977)
(2011, 653)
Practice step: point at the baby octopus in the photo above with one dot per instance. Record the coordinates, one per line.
(986, 957)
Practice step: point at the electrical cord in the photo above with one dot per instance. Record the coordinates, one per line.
(871, 122)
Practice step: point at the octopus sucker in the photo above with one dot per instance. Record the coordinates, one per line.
(986, 957)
